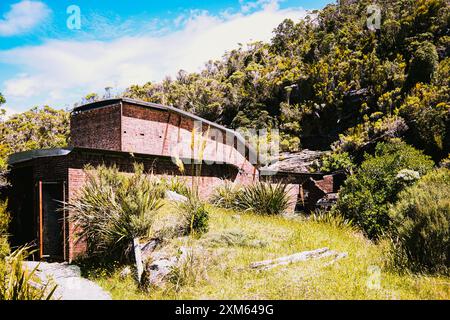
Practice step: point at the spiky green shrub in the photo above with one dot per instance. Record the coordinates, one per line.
(190, 269)
(331, 218)
(177, 184)
(4, 221)
(421, 223)
(264, 198)
(18, 283)
(365, 196)
(225, 195)
(113, 209)
(195, 214)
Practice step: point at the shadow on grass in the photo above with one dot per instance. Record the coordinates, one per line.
(101, 266)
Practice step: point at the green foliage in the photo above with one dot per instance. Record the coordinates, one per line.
(260, 197)
(195, 213)
(176, 184)
(38, 128)
(263, 198)
(336, 161)
(423, 63)
(321, 78)
(4, 222)
(369, 133)
(223, 255)
(427, 113)
(421, 223)
(225, 195)
(190, 270)
(332, 219)
(113, 209)
(366, 195)
(234, 238)
(91, 97)
(18, 283)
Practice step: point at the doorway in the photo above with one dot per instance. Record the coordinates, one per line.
(52, 221)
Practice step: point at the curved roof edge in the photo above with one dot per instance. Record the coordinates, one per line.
(107, 102)
(25, 156)
(33, 154)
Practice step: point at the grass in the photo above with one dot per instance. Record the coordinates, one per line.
(256, 237)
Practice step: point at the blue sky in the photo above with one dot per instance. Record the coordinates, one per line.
(120, 43)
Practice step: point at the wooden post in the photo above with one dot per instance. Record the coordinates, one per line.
(64, 223)
(138, 258)
(41, 222)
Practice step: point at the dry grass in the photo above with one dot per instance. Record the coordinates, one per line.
(230, 277)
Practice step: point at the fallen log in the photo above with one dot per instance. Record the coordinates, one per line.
(297, 257)
(338, 257)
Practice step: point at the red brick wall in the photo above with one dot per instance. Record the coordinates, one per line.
(77, 246)
(326, 184)
(211, 177)
(143, 129)
(138, 129)
(98, 128)
(161, 132)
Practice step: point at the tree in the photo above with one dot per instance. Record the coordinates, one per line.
(338, 73)
(366, 195)
(423, 63)
(38, 128)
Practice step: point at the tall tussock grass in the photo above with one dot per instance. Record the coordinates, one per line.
(18, 283)
(260, 197)
(113, 209)
(225, 195)
(332, 218)
(195, 214)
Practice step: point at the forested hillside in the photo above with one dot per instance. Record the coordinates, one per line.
(326, 81)
(330, 80)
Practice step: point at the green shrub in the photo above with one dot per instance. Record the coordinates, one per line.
(225, 195)
(421, 222)
(331, 218)
(178, 185)
(336, 161)
(366, 195)
(175, 184)
(195, 213)
(113, 209)
(4, 221)
(190, 269)
(264, 198)
(18, 283)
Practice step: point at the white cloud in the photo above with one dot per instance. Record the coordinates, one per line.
(247, 6)
(59, 72)
(22, 17)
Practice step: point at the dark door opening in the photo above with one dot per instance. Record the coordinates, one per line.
(23, 227)
(52, 220)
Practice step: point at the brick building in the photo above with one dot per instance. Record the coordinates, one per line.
(121, 132)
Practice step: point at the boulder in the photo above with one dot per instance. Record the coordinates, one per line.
(173, 196)
(158, 270)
